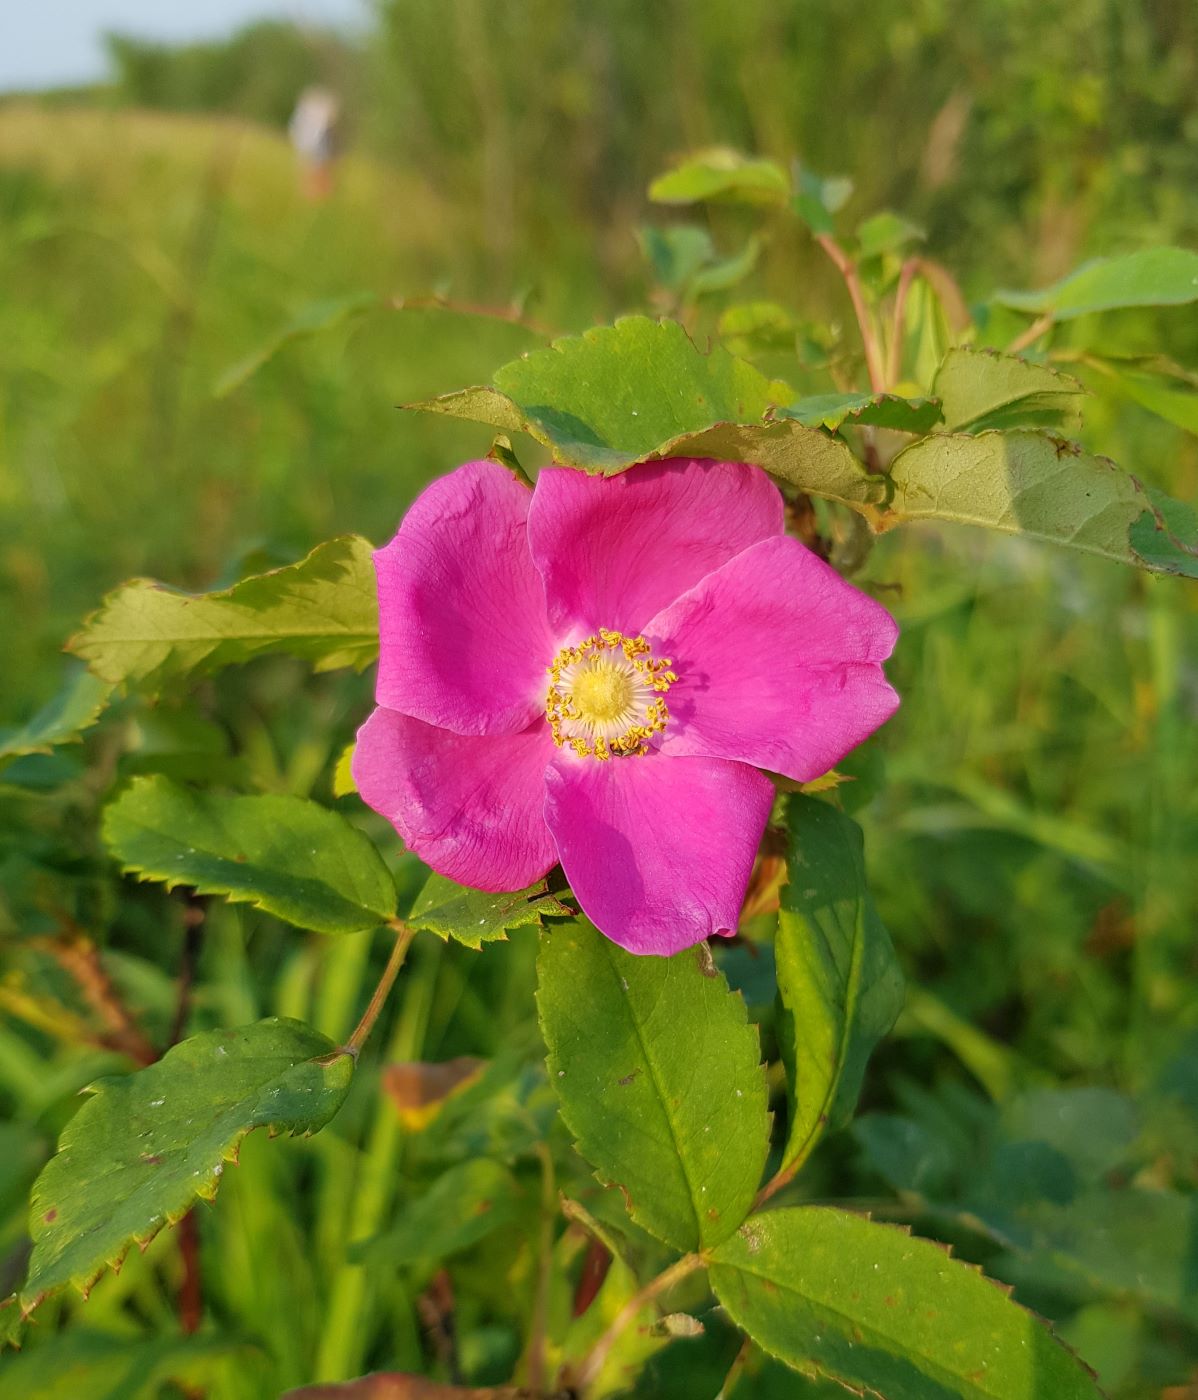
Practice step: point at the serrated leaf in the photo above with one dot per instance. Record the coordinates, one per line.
(322, 609)
(475, 917)
(839, 981)
(886, 233)
(61, 720)
(618, 394)
(1034, 484)
(463, 1206)
(1151, 277)
(870, 1306)
(293, 858)
(659, 1076)
(878, 410)
(980, 389)
(722, 175)
(144, 1148)
(640, 391)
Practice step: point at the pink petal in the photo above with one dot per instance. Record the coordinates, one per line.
(469, 806)
(616, 550)
(658, 851)
(778, 663)
(464, 642)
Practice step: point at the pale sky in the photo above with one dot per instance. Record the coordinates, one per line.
(51, 43)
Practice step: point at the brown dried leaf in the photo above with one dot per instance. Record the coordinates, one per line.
(418, 1090)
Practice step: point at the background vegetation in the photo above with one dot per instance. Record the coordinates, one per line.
(199, 373)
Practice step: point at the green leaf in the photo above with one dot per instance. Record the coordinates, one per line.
(722, 175)
(754, 327)
(640, 391)
(982, 389)
(1175, 403)
(293, 858)
(61, 720)
(659, 1076)
(1034, 484)
(838, 1296)
(81, 1365)
(726, 272)
(323, 610)
(1165, 537)
(1126, 1243)
(474, 917)
(463, 1206)
(819, 197)
(618, 394)
(878, 410)
(607, 398)
(311, 320)
(676, 254)
(886, 233)
(146, 1147)
(840, 985)
(1151, 277)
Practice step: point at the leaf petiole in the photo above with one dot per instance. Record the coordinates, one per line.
(399, 952)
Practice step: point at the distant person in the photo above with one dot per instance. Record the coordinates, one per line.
(313, 132)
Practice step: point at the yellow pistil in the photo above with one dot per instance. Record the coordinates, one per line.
(606, 695)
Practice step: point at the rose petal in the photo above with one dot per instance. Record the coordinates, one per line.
(778, 663)
(469, 806)
(616, 550)
(658, 851)
(463, 637)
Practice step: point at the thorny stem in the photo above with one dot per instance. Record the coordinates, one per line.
(1032, 334)
(592, 1363)
(399, 952)
(848, 270)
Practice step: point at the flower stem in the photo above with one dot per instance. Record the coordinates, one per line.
(907, 274)
(399, 952)
(592, 1363)
(869, 339)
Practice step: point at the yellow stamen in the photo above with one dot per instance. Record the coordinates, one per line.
(606, 696)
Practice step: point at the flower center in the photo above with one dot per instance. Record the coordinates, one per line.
(606, 695)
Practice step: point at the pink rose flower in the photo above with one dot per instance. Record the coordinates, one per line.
(596, 672)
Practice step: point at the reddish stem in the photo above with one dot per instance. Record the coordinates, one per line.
(191, 1295)
(848, 270)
